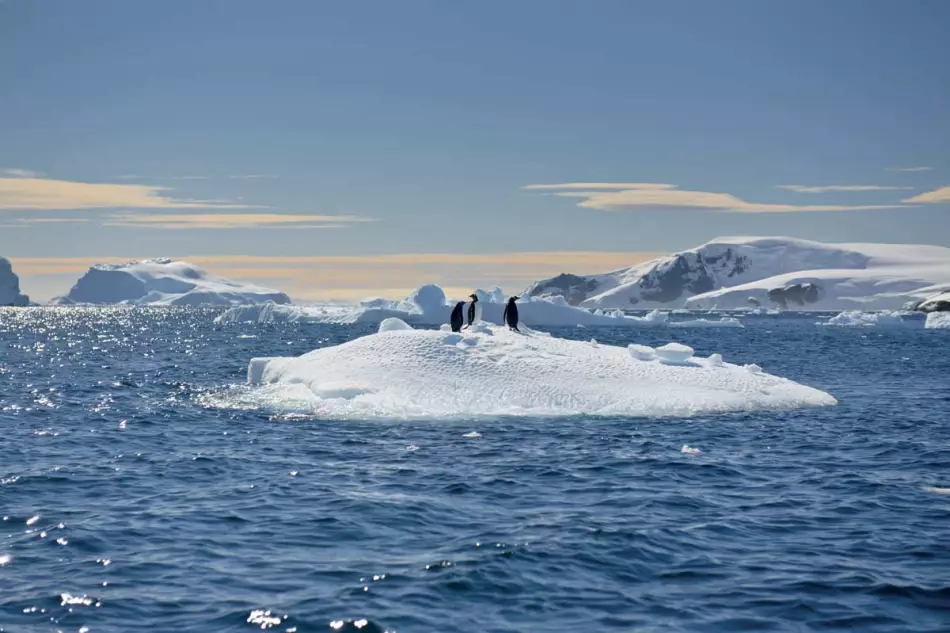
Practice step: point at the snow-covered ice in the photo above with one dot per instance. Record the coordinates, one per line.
(492, 371)
(742, 272)
(428, 305)
(163, 282)
(938, 321)
(723, 322)
(10, 294)
(856, 318)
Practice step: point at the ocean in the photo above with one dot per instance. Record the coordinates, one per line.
(139, 491)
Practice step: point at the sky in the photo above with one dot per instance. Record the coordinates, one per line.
(338, 150)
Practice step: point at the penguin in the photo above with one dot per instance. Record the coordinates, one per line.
(457, 319)
(511, 314)
(474, 311)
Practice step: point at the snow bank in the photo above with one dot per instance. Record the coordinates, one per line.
(856, 318)
(164, 282)
(10, 294)
(428, 306)
(938, 321)
(492, 371)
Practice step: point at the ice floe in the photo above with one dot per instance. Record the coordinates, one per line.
(491, 371)
(938, 321)
(856, 318)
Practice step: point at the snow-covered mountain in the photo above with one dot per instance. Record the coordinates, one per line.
(10, 294)
(937, 303)
(163, 282)
(743, 272)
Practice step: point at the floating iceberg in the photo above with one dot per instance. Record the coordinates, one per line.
(491, 371)
(428, 305)
(163, 282)
(10, 294)
(938, 321)
(855, 318)
(723, 322)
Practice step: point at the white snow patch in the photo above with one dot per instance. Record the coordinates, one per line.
(674, 353)
(938, 321)
(641, 352)
(714, 360)
(392, 324)
(414, 374)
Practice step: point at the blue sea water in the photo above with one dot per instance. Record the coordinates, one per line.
(131, 502)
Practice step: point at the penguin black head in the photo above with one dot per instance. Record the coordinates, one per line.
(473, 297)
(513, 299)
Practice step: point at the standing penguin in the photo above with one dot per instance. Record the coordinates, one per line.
(457, 319)
(474, 311)
(511, 314)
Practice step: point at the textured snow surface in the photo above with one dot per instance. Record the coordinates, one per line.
(10, 294)
(938, 321)
(428, 305)
(738, 272)
(491, 371)
(164, 282)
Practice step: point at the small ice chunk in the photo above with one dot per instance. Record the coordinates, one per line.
(714, 360)
(593, 342)
(753, 368)
(675, 352)
(641, 352)
(452, 339)
(689, 450)
(392, 324)
(445, 327)
(938, 491)
(472, 434)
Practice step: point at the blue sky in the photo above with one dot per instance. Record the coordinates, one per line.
(402, 128)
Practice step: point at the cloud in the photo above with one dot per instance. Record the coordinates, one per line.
(253, 177)
(906, 169)
(825, 188)
(25, 222)
(669, 196)
(48, 194)
(21, 173)
(603, 185)
(231, 220)
(936, 196)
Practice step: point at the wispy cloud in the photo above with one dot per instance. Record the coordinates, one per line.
(936, 196)
(23, 193)
(827, 188)
(13, 223)
(910, 169)
(232, 221)
(669, 196)
(16, 172)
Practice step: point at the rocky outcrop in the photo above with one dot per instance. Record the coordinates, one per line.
(938, 303)
(574, 288)
(795, 294)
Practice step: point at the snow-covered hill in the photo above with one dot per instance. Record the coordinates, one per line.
(163, 282)
(742, 272)
(10, 294)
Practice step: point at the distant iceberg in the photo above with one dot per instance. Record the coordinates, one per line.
(163, 282)
(938, 321)
(491, 371)
(428, 305)
(10, 294)
(855, 318)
